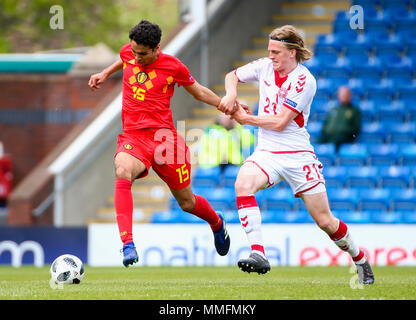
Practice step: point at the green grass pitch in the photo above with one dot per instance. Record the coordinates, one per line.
(210, 283)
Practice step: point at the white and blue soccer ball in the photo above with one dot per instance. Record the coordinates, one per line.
(67, 268)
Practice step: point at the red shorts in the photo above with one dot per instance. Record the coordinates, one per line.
(163, 149)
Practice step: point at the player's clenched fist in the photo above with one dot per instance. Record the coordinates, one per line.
(97, 79)
(227, 105)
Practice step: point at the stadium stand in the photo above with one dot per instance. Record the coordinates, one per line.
(372, 180)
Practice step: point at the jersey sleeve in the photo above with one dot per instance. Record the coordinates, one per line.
(125, 53)
(183, 77)
(301, 93)
(250, 72)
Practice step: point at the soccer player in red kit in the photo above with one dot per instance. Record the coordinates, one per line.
(149, 138)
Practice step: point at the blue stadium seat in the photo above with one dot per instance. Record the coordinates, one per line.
(404, 22)
(314, 66)
(175, 216)
(319, 102)
(353, 216)
(360, 43)
(274, 199)
(410, 107)
(389, 47)
(356, 54)
(338, 81)
(358, 87)
(394, 111)
(372, 132)
(324, 92)
(402, 132)
(371, 68)
(386, 217)
(314, 129)
(325, 153)
(368, 110)
(340, 68)
(173, 204)
(221, 198)
(408, 154)
(384, 154)
(379, 21)
(404, 199)
(400, 79)
(343, 199)
(300, 206)
(327, 57)
(363, 177)
(396, 177)
(289, 217)
(368, 3)
(408, 216)
(164, 217)
(352, 154)
(230, 175)
(268, 216)
(375, 199)
(320, 108)
(387, 44)
(395, 9)
(328, 43)
(231, 216)
(401, 65)
(381, 93)
(407, 92)
(209, 177)
(341, 25)
(335, 177)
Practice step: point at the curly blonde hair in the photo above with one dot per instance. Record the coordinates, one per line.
(292, 39)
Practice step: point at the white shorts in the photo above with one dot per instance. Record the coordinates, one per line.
(300, 169)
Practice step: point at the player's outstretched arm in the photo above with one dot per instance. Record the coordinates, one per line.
(203, 94)
(100, 78)
(277, 123)
(227, 104)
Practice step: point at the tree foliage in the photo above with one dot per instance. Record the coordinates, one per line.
(25, 24)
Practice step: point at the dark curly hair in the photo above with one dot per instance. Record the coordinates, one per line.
(146, 33)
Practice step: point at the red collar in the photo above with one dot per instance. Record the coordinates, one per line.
(279, 80)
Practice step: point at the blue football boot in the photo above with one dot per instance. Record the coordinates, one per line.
(130, 254)
(221, 237)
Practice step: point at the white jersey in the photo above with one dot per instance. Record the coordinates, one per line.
(296, 92)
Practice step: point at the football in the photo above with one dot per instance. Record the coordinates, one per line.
(67, 268)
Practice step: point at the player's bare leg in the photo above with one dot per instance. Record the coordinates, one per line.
(250, 179)
(318, 207)
(199, 206)
(127, 168)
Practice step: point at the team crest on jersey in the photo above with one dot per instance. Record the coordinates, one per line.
(283, 92)
(142, 77)
(128, 147)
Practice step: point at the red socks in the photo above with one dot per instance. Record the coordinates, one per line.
(343, 240)
(204, 211)
(123, 201)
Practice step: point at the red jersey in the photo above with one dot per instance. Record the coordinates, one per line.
(147, 90)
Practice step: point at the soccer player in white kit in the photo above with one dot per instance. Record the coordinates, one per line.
(284, 152)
